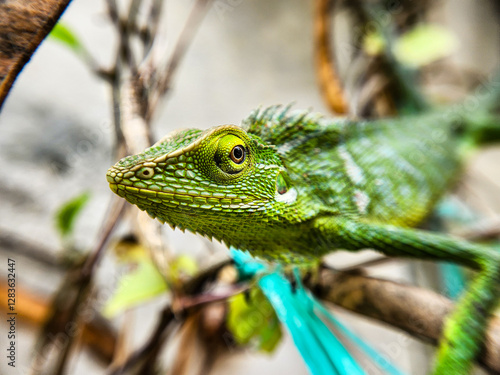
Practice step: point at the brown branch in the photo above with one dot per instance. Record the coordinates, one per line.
(23, 26)
(97, 333)
(326, 69)
(151, 29)
(68, 301)
(417, 311)
(111, 221)
(150, 350)
(33, 251)
(83, 283)
(485, 231)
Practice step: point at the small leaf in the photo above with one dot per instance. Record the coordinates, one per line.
(254, 320)
(136, 287)
(373, 43)
(66, 215)
(129, 251)
(424, 44)
(270, 336)
(64, 35)
(182, 266)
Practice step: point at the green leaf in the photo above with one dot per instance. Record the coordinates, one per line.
(136, 287)
(182, 266)
(66, 215)
(64, 35)
(254, 320)
(424, 44)
(270, 336)
(374, 43)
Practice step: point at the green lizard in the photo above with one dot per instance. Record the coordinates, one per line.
(292, 186)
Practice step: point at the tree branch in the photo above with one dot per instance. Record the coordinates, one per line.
(165, 77)
(326, 69)
(150, 349)
(97, 333)
(417, 311)
(23, 26)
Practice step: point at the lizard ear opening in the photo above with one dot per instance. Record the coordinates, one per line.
(281, 184)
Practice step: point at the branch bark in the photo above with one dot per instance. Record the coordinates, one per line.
(97, 333)
(326, 68)
(417, 311)
(23, 26)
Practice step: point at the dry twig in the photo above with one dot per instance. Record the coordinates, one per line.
(326, 68)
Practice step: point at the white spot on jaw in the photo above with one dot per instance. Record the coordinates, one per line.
(289, 197)
(362, 201)
(353, 170)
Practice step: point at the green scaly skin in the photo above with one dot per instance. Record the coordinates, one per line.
(293, 186)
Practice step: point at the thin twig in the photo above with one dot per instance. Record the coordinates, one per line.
(164, 79)
(151, 28)
(378, 260)
(152, 345)
(485, 231)
(33, 251)
(113, 11)
(124, 33)
(111, 221)
(326, 68)
(128, 31)
(82, 284)
(183, 303)
(196, 284)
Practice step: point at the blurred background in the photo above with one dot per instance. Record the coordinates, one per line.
(57, 136)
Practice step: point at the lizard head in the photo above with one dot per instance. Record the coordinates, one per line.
(217, 182)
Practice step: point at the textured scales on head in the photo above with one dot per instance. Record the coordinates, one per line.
(228, 182)
(278, 124)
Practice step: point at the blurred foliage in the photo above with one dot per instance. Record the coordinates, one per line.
(64, 35)
(142, 282)
(67, 214)
(181, 267)
(373, 43)
(420, 46)
(424, 44)
(254, 319)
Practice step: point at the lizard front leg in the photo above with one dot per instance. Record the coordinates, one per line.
(464, 329)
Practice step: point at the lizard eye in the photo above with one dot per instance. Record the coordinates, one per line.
(237, 154)
(231, 155)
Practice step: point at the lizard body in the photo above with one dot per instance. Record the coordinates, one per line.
(293, 186)
(371, 171)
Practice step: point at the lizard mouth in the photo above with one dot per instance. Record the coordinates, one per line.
(180, 200)
(177, 198)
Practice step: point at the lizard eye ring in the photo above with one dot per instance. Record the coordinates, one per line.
(237, 154)
(232, 156)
